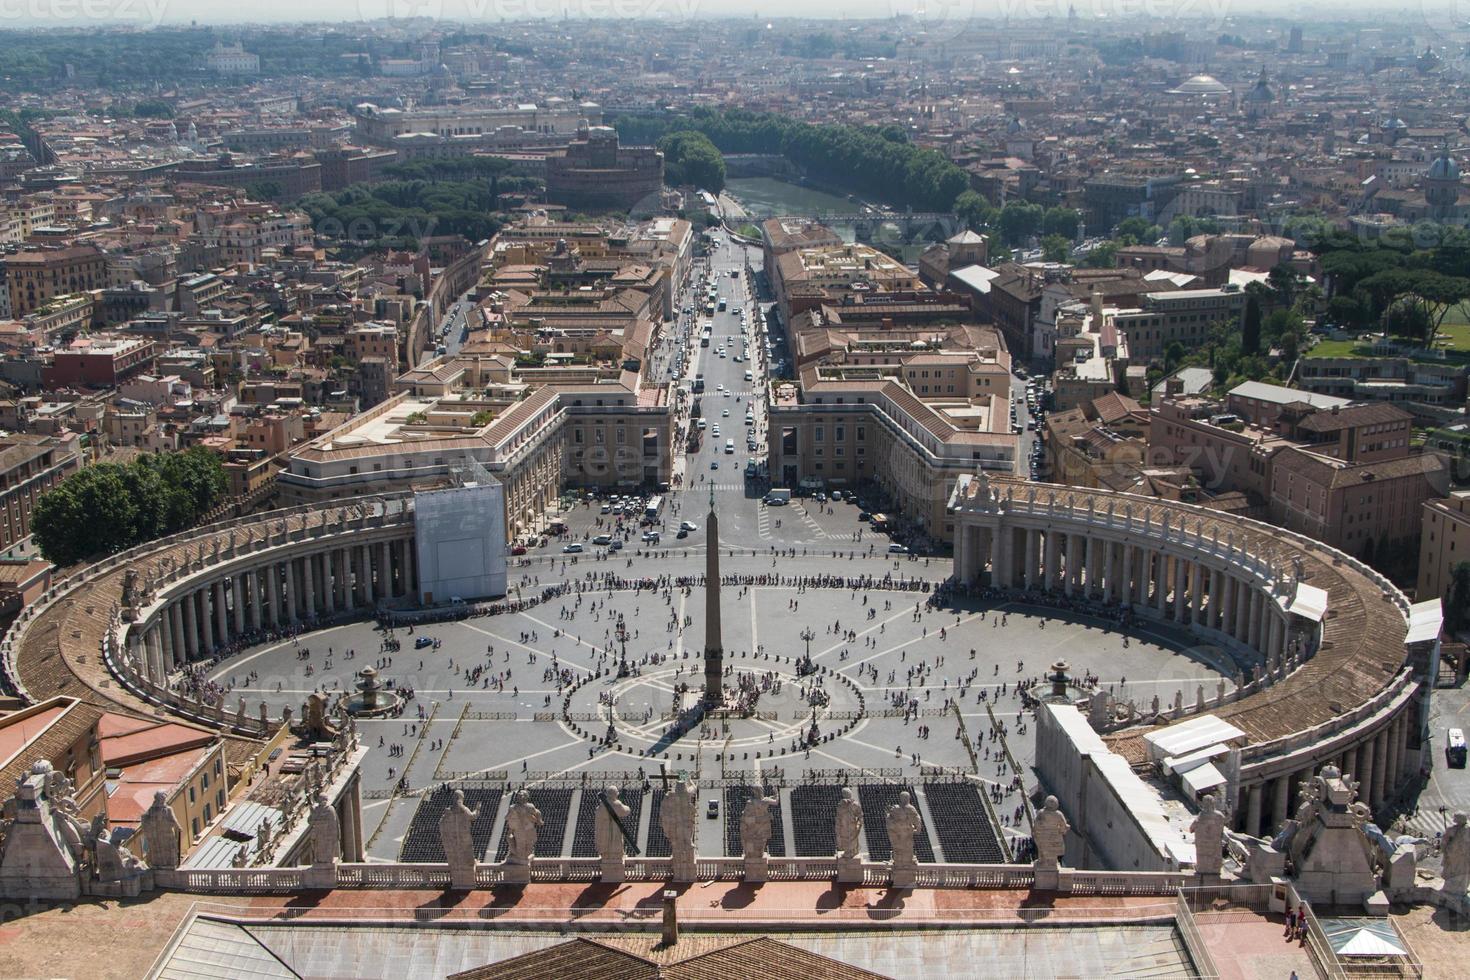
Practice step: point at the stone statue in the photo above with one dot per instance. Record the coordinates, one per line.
(1049, 831)
(161, 833)
(326, 834)
(677, 818)
(458, 842)
(114, 862)
(523, 825)
(1209, 832)
(903, 822)
(610, 824)
(1455, 853)
(755, 826)
(849, 827)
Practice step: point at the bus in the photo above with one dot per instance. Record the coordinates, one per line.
(722, 306)
(705, 337)
(698, 384)
(1454, 748)
(655, 504)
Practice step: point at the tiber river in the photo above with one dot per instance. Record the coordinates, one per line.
(762, 197)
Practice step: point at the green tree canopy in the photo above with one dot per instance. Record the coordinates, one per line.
(690, 159)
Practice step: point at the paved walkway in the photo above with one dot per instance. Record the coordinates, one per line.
(1248, 946)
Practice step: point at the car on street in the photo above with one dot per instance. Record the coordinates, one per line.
(714, 464)
(617, 544)
(651, 537)
(712, 812)
(519, 549)
(602, 539)
(688, 526)
(897, 549)
(423, 641)
(575, 548)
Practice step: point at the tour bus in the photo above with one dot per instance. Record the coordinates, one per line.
(704, 338)
(699, 383)
(655, 504)
(722, 306)
(1454, 748)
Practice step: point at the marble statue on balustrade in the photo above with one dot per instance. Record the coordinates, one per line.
(677, 817)
(1049, 834)
(611, 823)
(458, 841)
(755, 834)
(523, 825)
(1209, 835)
(1454, 851)
(325, 832)
(161, 833)
(903, 823)
(848, 831)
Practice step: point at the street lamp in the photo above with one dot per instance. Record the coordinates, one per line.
(808, 635)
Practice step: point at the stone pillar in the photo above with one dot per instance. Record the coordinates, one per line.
(1281, 792)
(221, 611)
(238, 595)
(1366, 762)
(1278, 636)
(1033, 545)
(1380, 768)
(1253, 630)
(1161, 583)
(330, 581)
(1089, 566)
(385, 572)
(308, 581)
(1216, 611)
(998, 574)
(272, 575)
(410, 572)
(292, 587)
(1181, 589)
(961, 547)
(1227, 605)
(191, 630)
(1050, 567)
(176, 627)
(1401, 750)
(1072, 575)
(253, 598)
(1350, 762)
(1253, 810)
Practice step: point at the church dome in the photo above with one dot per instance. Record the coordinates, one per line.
(1201, 85)
(1443, 168)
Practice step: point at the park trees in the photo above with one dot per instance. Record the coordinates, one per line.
(107, 507)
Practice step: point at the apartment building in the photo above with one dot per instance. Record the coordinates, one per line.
(1183, 316)
(29, 466)
(34, 278)
(1444, 543)
(845, 427)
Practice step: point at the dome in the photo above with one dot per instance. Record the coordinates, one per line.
(1201, 85)
(1443, 168)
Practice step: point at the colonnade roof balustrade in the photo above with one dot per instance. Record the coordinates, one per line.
(1363, 632)
(55, 647)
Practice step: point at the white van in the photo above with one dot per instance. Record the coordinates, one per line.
(730, 447)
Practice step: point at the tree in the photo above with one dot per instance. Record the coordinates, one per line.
(1102, 256)
(1055, 248)
(1061, 221)
(1250, 326)
(1018, 221)
(1173, 355)
(105, 508)
(1137, 231)
(690, 159)
(974, 210)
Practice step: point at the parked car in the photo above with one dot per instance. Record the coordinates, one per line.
(575, 548)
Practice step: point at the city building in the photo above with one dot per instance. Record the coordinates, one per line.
(596, 173)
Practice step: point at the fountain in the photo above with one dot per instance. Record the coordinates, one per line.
(373, 698)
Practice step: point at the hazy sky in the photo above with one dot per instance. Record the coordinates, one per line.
(1419, 16)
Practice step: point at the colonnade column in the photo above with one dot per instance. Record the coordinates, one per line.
(1253, 809)
(176, 628)
(1033, 545)
(1051, 559)
(1380, 768)
(385, 572)
(1367, 758)
(1281, 788)
(1216, 614)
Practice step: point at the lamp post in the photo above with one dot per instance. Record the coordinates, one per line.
(808, 634)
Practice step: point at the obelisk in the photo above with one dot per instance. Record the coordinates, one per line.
(714, 650)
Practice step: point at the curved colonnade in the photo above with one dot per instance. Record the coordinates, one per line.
(148, 612)
(1328, 674)
(1331, 679)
